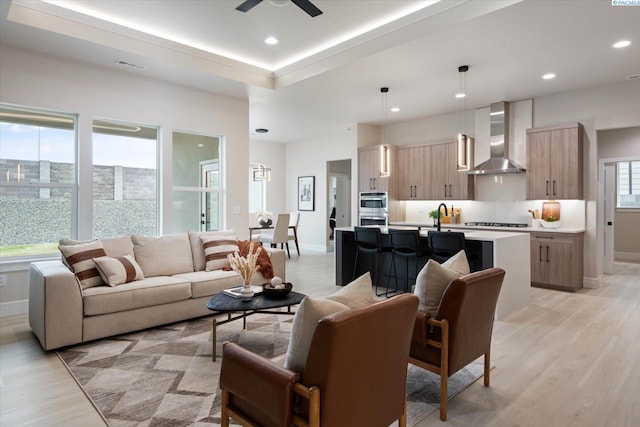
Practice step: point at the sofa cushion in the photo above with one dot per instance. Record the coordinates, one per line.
(164, 255)
(433, 280)
(115, 246)
(208, 283)
(311, 310)
(356, 294)
(197, 250)
(129, 296)
(80, 259)
(216, 249)
(118, 270)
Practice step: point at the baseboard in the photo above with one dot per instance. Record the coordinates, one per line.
(626, 256)
(14, 308)
(590, 283)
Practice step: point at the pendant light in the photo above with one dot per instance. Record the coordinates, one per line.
(384, 149)
(262, 173)
(465, 143)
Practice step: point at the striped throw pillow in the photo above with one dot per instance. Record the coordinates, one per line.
(118, 270)
(80, 259)
(216, 249)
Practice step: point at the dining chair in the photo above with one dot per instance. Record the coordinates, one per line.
(294, 219)
(279, 234)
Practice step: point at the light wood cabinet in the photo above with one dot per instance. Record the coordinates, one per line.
(446, 182)
(554, 162)
(429, 172)
(412, 167)
(369, 178)
(557, 260)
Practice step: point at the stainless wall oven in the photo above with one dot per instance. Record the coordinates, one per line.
(373, 208)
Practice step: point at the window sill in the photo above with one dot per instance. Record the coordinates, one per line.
(22, 264)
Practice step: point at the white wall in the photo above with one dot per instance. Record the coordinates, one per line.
(35, 80)
(310, 158)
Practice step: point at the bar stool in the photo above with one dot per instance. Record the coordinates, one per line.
(368, 242)
(445, 244)
(405, 244)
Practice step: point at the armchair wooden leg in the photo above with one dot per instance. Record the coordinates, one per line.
(444, 383)
(487, 368)
(402, 421)
(224, 417)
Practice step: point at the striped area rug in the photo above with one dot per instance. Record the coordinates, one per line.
(165, 377)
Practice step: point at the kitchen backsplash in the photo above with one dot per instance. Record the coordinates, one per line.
(500, 198)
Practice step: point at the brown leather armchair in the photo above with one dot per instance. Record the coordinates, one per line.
(461, 331)
(355, 373)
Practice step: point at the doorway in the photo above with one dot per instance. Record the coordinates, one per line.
(338, 197)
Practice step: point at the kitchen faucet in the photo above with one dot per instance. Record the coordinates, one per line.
(446, 212)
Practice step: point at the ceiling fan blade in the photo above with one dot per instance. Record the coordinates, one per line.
(248, 5)
(308, 7)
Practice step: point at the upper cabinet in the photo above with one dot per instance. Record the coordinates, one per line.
(429, 172)
(370, 166)
(412, 172)
(554, 162)
(446, 182)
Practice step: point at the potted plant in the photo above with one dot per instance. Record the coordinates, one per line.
(434, 214)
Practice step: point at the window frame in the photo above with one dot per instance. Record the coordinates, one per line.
(630, 161)
(17, 262)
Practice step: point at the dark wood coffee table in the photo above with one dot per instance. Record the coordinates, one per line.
(224, 303)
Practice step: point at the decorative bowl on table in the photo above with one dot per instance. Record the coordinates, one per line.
(271, 291)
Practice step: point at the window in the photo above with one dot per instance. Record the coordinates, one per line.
(629, 184)
(197, 182)
(37, 180)
(125, 179)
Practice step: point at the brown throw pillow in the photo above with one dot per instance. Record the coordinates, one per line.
(216, 249)
(118, 270)
(80, 259)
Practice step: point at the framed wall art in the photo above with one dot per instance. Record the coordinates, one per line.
(306, 193)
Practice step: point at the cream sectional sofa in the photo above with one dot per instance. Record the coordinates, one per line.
(176, 286)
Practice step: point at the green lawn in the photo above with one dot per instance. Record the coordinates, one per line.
(25, 250)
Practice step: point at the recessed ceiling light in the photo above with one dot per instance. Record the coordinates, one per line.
(395, 109)
(262, 130)
(549, 76)
(460, 95)
(271, 40)
(621, 43)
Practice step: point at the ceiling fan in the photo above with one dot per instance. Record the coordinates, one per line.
(305, 5)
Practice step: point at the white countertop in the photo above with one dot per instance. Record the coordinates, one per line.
(455, 227)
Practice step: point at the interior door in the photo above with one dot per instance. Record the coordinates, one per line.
(209, 204)
(609, 214)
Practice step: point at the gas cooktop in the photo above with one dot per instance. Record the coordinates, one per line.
(496, 224)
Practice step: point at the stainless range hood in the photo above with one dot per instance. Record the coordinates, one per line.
(499, 161)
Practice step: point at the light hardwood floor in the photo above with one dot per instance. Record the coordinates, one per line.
(567, 359)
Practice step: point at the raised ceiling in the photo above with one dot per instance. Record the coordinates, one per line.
(325, 72)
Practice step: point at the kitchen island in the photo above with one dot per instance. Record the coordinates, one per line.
(507, 250)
